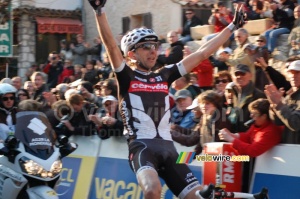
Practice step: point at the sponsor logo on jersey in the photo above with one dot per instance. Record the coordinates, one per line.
(125, 116)
(136, 86)
(140, 79)
(152, 79)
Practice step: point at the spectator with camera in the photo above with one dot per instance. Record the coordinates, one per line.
(86, 89)
(54, 68)
(109, 124)
(78, 122)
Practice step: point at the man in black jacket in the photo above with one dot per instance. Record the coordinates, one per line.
(173, 54)
(191, 21)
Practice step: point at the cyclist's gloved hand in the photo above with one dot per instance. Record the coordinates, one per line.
(239, 18)
(206, 192)
(96, 4)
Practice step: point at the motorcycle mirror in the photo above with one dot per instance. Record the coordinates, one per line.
(63, 140)
(11, 142)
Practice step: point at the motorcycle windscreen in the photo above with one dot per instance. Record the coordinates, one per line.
(35, 131)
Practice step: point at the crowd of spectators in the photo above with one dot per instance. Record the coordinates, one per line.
(79, 95)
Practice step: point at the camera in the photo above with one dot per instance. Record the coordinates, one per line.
(79, 92)
(61, 125)
(53, 58)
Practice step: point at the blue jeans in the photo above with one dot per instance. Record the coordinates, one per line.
(185, 39)
(272, 36)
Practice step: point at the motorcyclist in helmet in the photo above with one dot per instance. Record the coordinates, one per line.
(8, 110)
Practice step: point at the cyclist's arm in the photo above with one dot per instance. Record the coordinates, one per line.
(206, 50)
(112, 49)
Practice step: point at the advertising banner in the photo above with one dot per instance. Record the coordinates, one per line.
(6, 39)
(115, 180)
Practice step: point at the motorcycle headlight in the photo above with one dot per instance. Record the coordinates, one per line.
(32, 168)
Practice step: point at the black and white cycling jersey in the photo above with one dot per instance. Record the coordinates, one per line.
(144, 100)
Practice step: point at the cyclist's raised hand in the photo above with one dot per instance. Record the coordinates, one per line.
(96, 4)
(239, 17)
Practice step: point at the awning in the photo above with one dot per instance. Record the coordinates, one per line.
(59, 25)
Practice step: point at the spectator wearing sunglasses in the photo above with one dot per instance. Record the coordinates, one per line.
(246, 93)
(8, 110)
(108, 123)
(22, 94)
(221, 79)
(191, 20)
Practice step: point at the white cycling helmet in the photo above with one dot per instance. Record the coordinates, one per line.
(135, 36)
(7, 88)
(230, 86)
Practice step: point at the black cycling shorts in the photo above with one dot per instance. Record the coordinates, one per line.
(161, 155)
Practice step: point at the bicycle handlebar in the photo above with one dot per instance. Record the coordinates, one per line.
(212, 192)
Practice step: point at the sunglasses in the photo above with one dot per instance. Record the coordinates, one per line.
(188, 13)
(259, 41)
(107, 104)
(147, 46)
(7, 98)
(22, 94)
(239, 74)
(221, 80)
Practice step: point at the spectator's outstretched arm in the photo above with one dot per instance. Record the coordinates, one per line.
(212, 45)
(106, 35)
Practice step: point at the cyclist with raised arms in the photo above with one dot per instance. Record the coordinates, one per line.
(144, 103)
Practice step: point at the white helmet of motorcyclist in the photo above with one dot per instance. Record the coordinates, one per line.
(6, 88)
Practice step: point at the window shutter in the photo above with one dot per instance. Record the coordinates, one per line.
(125, 24)
(147, 20)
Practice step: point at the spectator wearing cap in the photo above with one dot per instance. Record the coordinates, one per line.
(110, 123)
(246, 93)
(286, 111)
(219, 60)
(180, 115)
(230, 91)
(209, 107)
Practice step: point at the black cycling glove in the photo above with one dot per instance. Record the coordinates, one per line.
(239, 18)
(97, 4)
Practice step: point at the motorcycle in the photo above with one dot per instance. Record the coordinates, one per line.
(31, 159)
